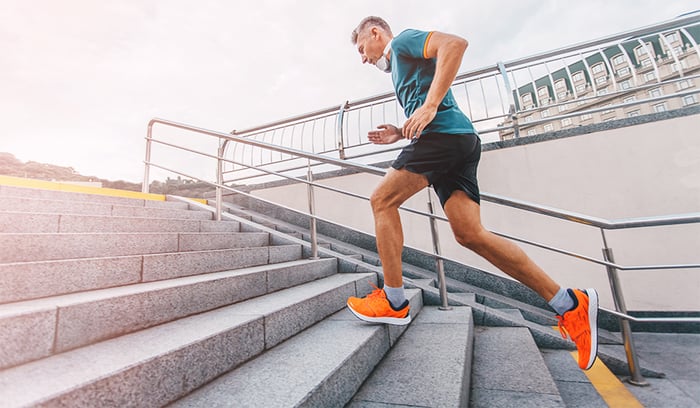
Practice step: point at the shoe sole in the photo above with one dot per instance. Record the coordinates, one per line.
(396, 321)
(593, 320)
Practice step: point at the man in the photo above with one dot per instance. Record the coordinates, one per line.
(444, 152)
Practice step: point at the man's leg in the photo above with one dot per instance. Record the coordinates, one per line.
(579, 319)
(465, 219)
(396, 187)
(388, 305)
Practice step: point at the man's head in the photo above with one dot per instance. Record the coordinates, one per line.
(371, 37)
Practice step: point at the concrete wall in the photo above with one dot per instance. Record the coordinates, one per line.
(634, 171)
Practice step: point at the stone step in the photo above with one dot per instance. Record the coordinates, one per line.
(38, 193)
(31, 280)
(158, 365)
(24, 222)
(508, 370)
(34, 205)
(38, 328)
(323, 366)
(430, 365)
(43, 247)
(574, 386)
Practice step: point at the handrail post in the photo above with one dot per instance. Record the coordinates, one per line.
(339, 130)
(312, 212)
(512, 109)
(219, 178)
(147, 167)
(442, 284)
(636, 377)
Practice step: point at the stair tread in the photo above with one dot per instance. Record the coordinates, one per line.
(43, 379)
(508, 369)
(323, 365)
(433, 354)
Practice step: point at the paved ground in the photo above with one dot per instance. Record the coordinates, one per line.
(677, 356)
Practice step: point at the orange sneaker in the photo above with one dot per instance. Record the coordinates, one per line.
(375, 308)
(581, 323)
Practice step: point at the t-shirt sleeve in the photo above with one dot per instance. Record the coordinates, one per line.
(411, 43)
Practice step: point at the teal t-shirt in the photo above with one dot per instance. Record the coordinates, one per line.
(412, 75)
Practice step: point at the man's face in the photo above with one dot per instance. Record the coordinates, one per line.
(368, 46)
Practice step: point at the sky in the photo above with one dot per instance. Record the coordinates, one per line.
(80, 79)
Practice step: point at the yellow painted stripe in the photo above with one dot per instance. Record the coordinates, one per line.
(74, 188)
(610, 388)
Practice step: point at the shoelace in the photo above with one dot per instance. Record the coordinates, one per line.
(376, 292)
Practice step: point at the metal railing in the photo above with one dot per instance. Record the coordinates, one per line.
(496, 97)
(608, 261)
(500, 100)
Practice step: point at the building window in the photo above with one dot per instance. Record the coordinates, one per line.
(531, 132)
(562, 95)
(661, 107)
(618, 59)
(673, 37)
(633, 113)
(605, 112)
(543, 92)
(560, 84)
(623, 71)
(563, 107)
(640, 51)
(689, 100)
(580, 88)
(609, 119)
(684, 84)
(646, 62)
(586, 116)
(545, 113)
(548, 127)
(598, 68)
(650, 76)
(566, 122)
(601, 80)
(629, 99)
(655, 92)
(578, 76)
(603, 91)
(625, 84)
(528, 119)
(678, 50)
(675, 68)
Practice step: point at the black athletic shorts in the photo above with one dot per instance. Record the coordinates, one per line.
(448, 161)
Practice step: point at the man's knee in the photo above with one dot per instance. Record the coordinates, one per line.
(380, 201)
(471, 238)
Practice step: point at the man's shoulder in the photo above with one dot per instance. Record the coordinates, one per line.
(410, 33)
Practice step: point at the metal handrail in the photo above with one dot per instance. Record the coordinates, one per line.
(600, 223)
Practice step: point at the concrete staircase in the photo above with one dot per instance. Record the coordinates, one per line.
(518, 359)
(118, 302)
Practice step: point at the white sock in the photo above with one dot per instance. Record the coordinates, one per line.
(562, 302)
(395, 296)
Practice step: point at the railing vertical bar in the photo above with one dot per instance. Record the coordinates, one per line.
(636, 377)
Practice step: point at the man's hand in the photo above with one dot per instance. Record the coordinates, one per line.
(386, 135)
(420, 118)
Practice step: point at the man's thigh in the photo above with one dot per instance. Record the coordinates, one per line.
(398, 186)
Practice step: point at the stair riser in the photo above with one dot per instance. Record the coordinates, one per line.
(31, 280)
(19, 222)
(170, 376)
(34, 193)
(91, 208)
(38, 247)
(73, 325)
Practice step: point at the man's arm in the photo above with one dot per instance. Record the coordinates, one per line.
(448, 50)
